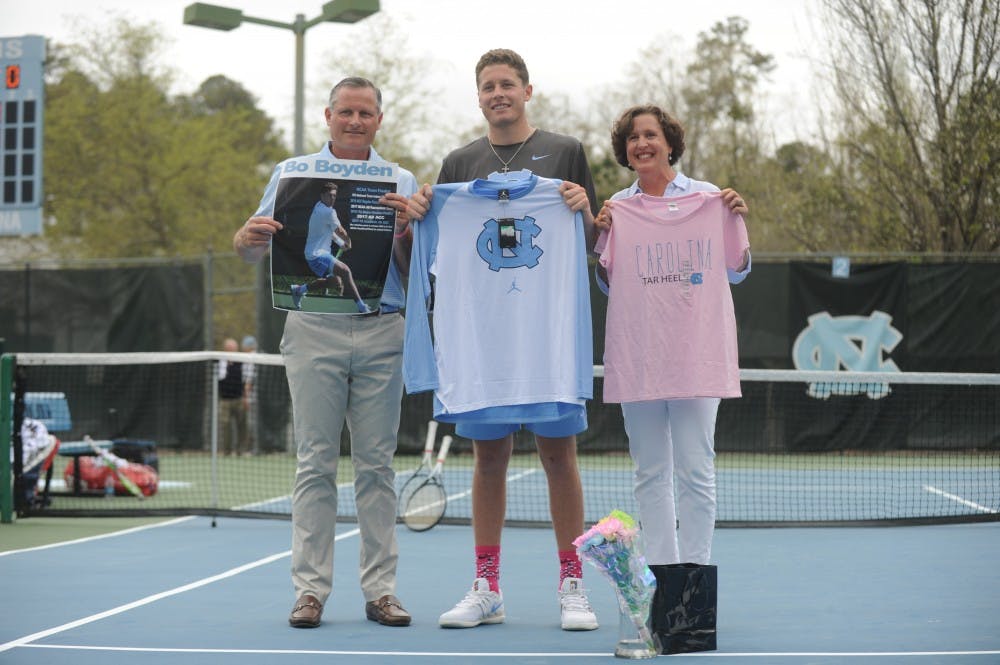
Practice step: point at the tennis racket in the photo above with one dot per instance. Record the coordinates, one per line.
(427, 504)
(110, 460)
(422, 471)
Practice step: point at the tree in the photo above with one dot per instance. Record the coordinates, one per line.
(806, 207)
(718, 91)
(654, 77)
(916, 86)
(712, 93)
(412, 132)
(590, 123)
(712, 96)
(131, 171)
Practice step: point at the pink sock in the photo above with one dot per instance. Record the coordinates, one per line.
(488, 564)
(569, 565)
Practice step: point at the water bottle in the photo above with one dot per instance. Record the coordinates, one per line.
(109, 485)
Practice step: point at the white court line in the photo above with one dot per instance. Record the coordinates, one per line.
(257, 505)
(958, 499)
(515, 654)
(340, 486)
(101, 536)
(23, 641)
(465, 493)
(518, 476)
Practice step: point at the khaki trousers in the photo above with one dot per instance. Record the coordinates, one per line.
(341, 369)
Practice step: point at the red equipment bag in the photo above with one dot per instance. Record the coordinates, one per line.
(94, 474)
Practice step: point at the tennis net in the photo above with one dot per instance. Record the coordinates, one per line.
(797, 448)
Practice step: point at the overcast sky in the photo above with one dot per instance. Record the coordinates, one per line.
(570, 46)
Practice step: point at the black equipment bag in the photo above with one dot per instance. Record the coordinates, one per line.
(684, 607)
(141, 451)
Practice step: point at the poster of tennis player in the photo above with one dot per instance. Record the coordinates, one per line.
(332, 256)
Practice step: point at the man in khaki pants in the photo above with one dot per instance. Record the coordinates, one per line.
(344, 367)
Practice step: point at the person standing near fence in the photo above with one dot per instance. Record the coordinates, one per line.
(511, 143)
(249, 345)
(344, 367)
(232, 403)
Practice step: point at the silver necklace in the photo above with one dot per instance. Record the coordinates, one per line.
(506, 164)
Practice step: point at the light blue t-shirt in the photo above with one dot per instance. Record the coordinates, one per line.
(512, 332)
(323, 225)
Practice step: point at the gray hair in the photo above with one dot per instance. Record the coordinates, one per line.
(356, 82)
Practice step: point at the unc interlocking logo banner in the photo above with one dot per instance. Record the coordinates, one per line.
(847, 343)
(523, 255)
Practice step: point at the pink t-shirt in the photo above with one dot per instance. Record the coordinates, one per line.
(671, 329)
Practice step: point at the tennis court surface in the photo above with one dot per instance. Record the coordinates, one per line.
(185, 592)
(871, 507)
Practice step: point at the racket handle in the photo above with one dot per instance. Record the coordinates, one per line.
(432, 428)
(431, 437)
(445, 445)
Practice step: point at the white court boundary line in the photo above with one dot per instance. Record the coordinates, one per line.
(263, 503)
(451, 497)
(87, 539)
(27, 639)
(510, 477)
(514, 654)
(958, 499)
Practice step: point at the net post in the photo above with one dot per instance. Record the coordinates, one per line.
(214, 455)
(6, 429)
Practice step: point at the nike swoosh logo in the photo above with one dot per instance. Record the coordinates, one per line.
(535, 158)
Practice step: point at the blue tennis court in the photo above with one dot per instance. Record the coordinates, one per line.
(861, 591)
(184, 592)
(747, 493)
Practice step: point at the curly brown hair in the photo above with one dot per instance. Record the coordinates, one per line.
(673, 131)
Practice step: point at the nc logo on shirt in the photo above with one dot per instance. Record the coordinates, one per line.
(524, 254)
(851, 343)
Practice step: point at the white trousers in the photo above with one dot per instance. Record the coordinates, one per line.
(672, 444)
(344, 368)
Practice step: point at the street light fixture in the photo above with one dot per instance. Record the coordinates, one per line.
(338, 11)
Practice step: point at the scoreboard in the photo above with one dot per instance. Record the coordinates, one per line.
(22, 102)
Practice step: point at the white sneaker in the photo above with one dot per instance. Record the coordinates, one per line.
(480, 605)
(575, 609)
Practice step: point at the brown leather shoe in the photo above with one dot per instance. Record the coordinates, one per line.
(306, 613)
(388, 611)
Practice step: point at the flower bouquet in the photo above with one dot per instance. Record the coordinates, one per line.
(614, 547)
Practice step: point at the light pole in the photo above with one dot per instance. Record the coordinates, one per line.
(224, 18)
(338, 11)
